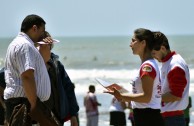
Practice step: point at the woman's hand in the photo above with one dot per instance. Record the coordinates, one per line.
(116, 93)
(74, 121)
(45, 51)
(48, 40)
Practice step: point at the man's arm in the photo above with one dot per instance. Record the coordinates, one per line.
(37, 113)
(177, 83)
(168, 97)
(74, 121)
(29, 85)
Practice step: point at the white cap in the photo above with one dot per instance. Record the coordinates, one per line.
(54, 41)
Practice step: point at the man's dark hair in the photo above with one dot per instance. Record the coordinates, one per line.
(91, 87)
(160, 40)
(31, 20)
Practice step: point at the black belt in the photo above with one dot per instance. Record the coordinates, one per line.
(17, 100)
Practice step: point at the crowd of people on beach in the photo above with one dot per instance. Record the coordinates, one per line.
(35, 88)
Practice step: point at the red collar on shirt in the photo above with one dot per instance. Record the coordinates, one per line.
(168, 56)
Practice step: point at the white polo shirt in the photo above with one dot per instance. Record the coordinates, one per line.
(151, 69)
(22, 56)
(175, 60)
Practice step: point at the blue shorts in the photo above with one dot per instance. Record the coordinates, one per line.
(175, 120)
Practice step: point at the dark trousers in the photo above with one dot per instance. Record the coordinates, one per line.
(2, 114)
(148, 117)
(175, 120)
(117, 118)
(18, 113)
(11, 105)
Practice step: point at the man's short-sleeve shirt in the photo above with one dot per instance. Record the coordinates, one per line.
(22, 56)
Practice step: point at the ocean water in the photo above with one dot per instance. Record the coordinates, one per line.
(109, 58)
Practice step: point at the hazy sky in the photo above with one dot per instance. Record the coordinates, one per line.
(100, 17)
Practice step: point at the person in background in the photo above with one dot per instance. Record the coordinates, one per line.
(62, 100)
(175, 79)
(146, 86)
(2, 104)
(130, 117)
(187, 112)
(91, 105)
(117, 113)
(26, 76)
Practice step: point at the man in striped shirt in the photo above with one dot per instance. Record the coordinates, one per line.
(26, 75)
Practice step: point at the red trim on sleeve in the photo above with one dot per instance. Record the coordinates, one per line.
(147, 69)
(177, 81)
